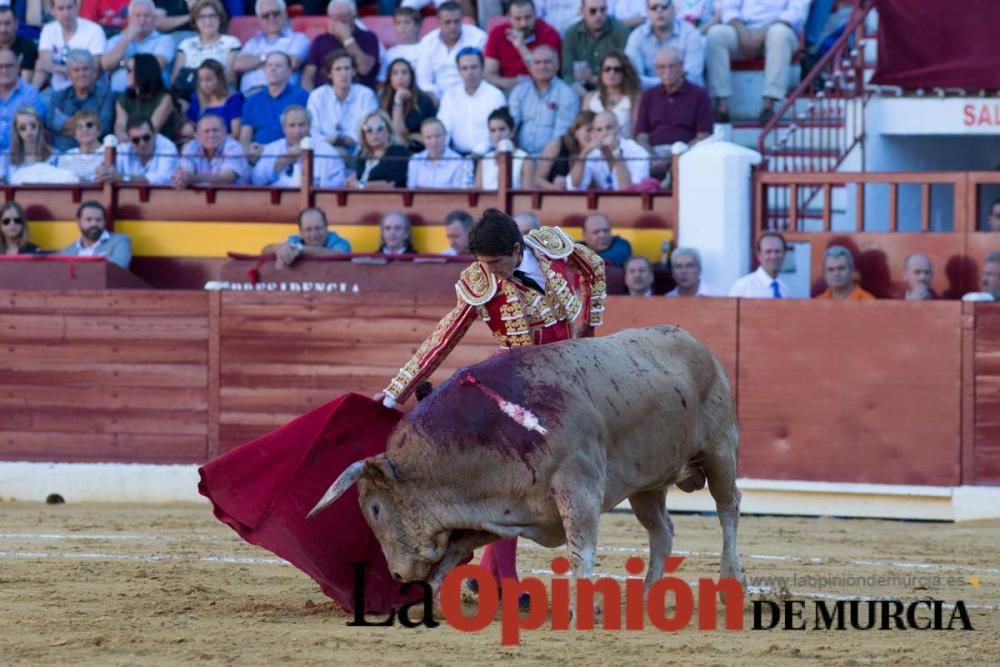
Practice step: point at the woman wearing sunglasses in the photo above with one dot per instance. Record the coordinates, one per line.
(14, 231)
(618, 91)
(84, 160)
(28, 145)
(382, 161)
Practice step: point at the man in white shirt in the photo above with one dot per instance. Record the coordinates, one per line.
(338, 107)
(685, 265)
(58, 38)
(139, 36)
(436, 67)
(466, 107)
(148, 157)
(280, 163)
(612, 163)
(764, 283)
(438, 166)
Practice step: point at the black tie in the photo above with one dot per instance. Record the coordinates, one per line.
(527, 281)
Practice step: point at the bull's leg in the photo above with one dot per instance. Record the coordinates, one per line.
(650, 508)
(580, 511)
(719, 464)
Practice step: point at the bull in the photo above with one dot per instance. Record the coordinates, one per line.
(537, 442)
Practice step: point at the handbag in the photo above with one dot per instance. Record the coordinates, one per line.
(185, 83)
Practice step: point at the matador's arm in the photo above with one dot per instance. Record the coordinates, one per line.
(593, 286)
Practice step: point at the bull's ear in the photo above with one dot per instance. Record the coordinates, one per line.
(381, 470)
(346, 480)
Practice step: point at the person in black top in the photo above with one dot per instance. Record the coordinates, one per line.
(406, 104)
(14, 231)
(554, 163)
(381, 162)
(25, 49)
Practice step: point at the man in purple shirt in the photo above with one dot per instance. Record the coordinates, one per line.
(344, 32)
(678, 110)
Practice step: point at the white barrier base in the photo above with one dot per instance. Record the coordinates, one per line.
(128, 482)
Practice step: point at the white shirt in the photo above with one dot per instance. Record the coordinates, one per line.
(437, 70)
(464, 116)
(408, 52)
(160, 168)
(530, 266)
(328, 168)
(704, 289)
(760, 13)
(91, 250)
(560, 14)
(598, 175)
(332, 116)
(623, 10)
(757, 285)
(451, 171)
(88, 36)
(491, 173)
(84, 165)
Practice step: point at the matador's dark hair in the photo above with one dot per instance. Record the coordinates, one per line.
(494, 235)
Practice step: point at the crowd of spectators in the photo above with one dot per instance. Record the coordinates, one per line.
(594, 92)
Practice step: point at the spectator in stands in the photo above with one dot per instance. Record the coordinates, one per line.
(95, 240)
(89, 154)
(702, 14)
(838, 270)
(638, 276)
(339, 106)
(112, 15)
(560, 14)
(510, 45)
(612, 163)
(764, 283)
(918, 274)
(382, 161)
(261, 121)
(439, 49)
(396, 236)
(24, 48)
(749, 29)
(407, 105)
(58, 38)
(406, 21)
(211, 43)
(526, 221)
(314, 238)
(28, 145)
(213, 95)
(344, 34)
(212, 157)
(456, 228)
(664, 28)
(675, 111)
(85, 93)
(280, 163)
(501, 127)
(146, 96)
(172, 15)
(15, 93)
(618, 91)
(14, 231)
(993, 219)
(276, 37)
(597, 236)
(560, 154)
(991, 275)
(685, 267)
(587, 42)
(437, 166)
(147, 157)
(466, 107)
(140, 36)
(545, 105)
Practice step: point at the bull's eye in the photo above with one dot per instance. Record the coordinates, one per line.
(375, 510)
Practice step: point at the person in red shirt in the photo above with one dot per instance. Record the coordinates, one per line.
(509, 44)
(108, 13)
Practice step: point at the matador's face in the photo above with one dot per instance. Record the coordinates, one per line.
(502, 266)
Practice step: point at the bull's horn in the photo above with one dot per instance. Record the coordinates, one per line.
(347, 478)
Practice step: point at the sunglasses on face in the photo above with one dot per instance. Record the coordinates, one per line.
(88, 124)
(11, 221)
(660, 8)
(207, 16)
(29, 126)
(594, 11)
(270, 15)
(613, 69)
(140, 140)
(374, 129)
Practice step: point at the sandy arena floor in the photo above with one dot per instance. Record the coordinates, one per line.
(167, 584)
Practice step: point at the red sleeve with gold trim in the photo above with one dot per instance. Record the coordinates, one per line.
(594, 287)
(475, 287)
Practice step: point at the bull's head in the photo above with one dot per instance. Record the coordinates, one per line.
(411, 541)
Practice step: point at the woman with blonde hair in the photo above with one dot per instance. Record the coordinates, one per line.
(382, 161)
(618, 91)
(14, 231)
(28, 145)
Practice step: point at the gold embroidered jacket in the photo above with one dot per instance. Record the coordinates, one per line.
(517, 315)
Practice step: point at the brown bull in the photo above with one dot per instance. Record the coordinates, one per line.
(539, 441)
